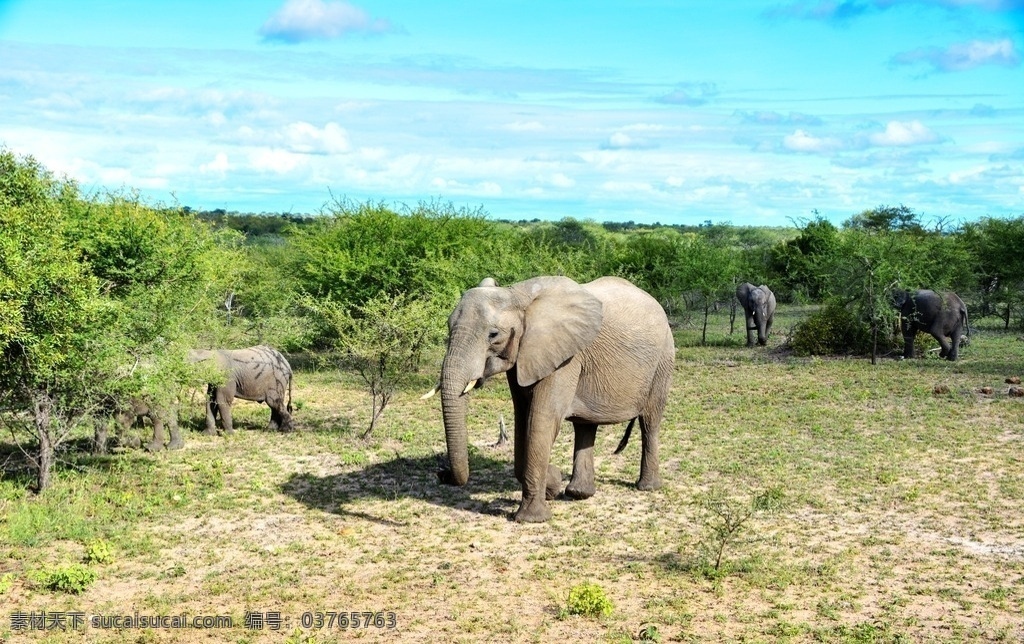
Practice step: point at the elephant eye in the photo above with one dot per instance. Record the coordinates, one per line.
(493, 335)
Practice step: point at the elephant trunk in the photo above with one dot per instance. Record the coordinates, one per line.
(454, 407)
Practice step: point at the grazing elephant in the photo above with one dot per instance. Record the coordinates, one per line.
(258, 373)
(593, 354)
(758, 304)
(135, 412)
(940, 314)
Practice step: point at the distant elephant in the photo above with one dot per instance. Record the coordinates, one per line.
(135, 412)
(758, 304)
(258, 373)
(593, 354)
(940, 314)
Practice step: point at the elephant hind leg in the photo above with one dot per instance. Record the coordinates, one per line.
(650, 479)
(581, 486)
(280, 419)
(175, 431)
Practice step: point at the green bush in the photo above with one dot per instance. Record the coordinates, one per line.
(834, 330)
(74, 579)
(99, 552)
(588, 600)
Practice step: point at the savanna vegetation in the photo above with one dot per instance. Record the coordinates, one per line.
(810, 495)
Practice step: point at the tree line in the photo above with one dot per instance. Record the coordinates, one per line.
(102, 295)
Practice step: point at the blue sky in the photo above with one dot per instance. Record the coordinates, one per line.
(754, 113)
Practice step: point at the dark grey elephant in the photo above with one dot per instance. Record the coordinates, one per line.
(593, 354)
(258, 373)
(758, 304)
(943, 315)
(135, 412)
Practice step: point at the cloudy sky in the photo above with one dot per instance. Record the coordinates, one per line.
(651, 110)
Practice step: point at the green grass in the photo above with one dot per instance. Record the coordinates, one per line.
(901, 514)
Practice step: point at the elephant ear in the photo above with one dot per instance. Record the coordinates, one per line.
(562, 319)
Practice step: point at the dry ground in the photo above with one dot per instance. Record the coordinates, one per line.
(900, 518)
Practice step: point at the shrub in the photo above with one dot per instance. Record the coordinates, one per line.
(588, 600)
(834, 330)
(99, 552)
(74, 579)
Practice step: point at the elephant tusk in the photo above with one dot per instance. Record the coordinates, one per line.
(433, 390)
(469, 387)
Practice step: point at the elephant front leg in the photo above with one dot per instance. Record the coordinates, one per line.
(581, 486)
(751, 329)
(211, 411)
(909, 332)
(541, 480)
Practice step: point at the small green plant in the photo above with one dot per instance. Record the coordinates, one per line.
(649, 633)
(723, 519)
(588, 600)
(6, 581)
(74, 579)
(99, 552)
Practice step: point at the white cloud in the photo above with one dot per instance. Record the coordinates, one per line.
(560, 180)
(219, 165)
(305, 138)
(524, 126)
(301, 20)
(275, 160)
(622, 141)
(900, 133)
(479, 189)
(801, 141)
(963, 56)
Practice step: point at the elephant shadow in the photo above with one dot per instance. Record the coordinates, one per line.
(405, 477)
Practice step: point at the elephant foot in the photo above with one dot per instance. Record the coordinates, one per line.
(133, 442)
(210, 432)
(176, 444)
(649, 483)
(554, 483)
(154, 447)
(534, 511)
(579, 491)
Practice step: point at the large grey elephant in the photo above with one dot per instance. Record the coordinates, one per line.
(940, 314)
(258, 373)
(593, 354)
(758, 304)
(135, 412)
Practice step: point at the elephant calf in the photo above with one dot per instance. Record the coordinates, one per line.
(259, 373)
(135, 412)
(940, 314)
(758, 304)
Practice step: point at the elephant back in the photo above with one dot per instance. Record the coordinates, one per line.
(258, 371)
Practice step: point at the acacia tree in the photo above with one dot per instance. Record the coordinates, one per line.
(383, 340)
(50, 310)
(708, 272)
(995, 246)
(89, 291)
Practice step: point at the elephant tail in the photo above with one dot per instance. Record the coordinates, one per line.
(289, 408)
(625, 437)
